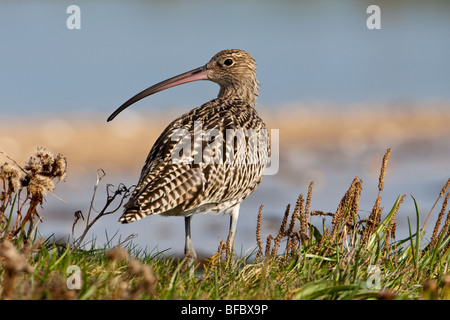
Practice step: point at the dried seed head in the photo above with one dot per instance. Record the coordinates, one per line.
(383, 169)
(117, 254)
(386, 294)
(42, 153)
(430, 290)
(445, 188)
(268, 243)
(46, 164)
(14, 261)
(60, 167)
(47, 159)
(40, 185)
(11, 175)
(34, 165)
(258, 232)
(446, 280)
(9, 170)
(149, 280)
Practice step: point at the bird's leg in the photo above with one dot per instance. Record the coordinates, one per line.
(189, 250)
(234, 215)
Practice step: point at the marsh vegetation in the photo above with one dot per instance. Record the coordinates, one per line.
(351, 257)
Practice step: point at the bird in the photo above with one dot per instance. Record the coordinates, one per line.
(209, 159)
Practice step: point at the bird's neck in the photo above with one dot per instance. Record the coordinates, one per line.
(247, 93)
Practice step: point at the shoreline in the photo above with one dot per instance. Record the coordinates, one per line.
(88, 141)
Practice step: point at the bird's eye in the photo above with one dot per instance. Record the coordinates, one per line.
(228, 62)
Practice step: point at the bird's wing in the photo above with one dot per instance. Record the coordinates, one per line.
(174, 180)
(169, 178)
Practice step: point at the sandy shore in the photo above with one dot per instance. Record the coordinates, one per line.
(88, 141)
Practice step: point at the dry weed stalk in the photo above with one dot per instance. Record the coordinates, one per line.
(225, 253)
(281, 231)
(390, 233)
(293, 237)
(443, 191)
(308, 203)
(258, 235)
(222, 251)
(301, 215)
(375, 216)
(37, 179)
(345, 225)
(268, 245)
(343, 218)
(121, 192)
(435, 236)
(347, 229)
(446, 227)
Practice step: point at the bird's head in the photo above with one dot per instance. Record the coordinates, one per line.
(233, 70)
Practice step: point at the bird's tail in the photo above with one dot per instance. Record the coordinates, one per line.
(132, 214)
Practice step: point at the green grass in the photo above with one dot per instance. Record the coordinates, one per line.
(354, 258)
(342, 274)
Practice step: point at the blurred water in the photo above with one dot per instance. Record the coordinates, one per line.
(307, 52)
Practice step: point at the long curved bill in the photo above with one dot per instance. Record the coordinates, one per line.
(193, 75)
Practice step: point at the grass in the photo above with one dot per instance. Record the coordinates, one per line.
(353, 258)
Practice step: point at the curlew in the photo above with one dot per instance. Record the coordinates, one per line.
(209, 159)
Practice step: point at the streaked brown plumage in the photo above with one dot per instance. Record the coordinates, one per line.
(211, 158)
